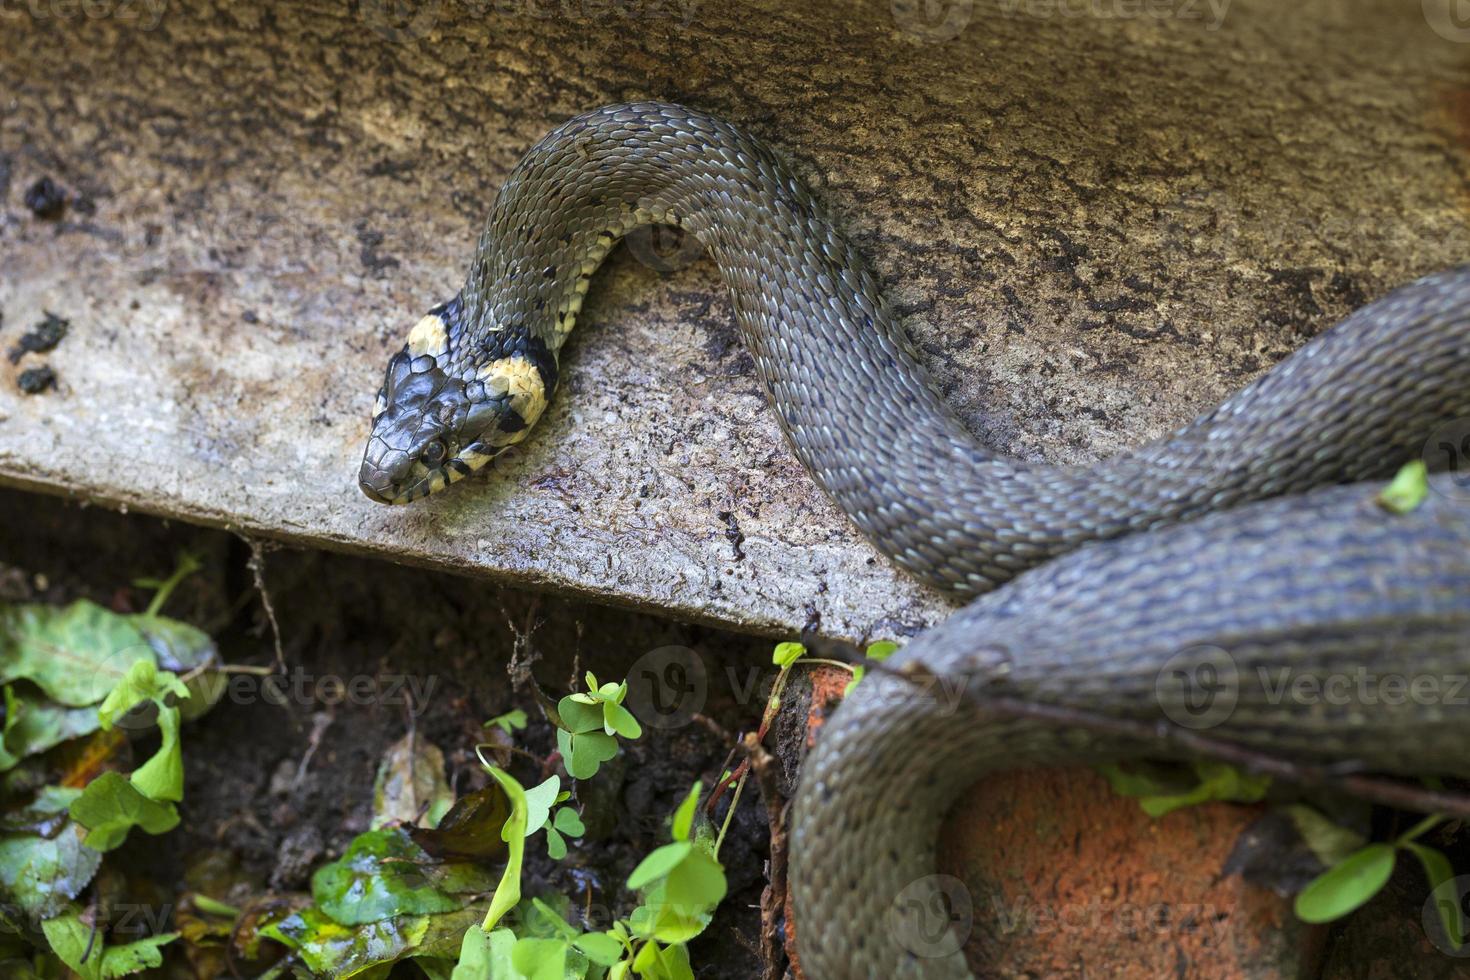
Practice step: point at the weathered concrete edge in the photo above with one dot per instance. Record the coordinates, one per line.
(710, 612)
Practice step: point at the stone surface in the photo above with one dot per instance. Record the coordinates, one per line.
(1097, 218)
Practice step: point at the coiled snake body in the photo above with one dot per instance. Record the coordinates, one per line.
(1187, 564)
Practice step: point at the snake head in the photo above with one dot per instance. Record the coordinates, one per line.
(450, 404)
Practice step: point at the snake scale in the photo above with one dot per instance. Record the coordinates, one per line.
(1245, 545)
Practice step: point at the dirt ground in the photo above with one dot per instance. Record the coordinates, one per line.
(278, 786)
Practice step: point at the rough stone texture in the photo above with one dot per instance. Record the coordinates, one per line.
(1096, 219)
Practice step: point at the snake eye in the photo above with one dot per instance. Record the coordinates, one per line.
(433, 453)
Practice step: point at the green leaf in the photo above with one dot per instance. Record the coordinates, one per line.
(509, 722)
(44, 815)
(543, 920)
(1439, 872)
(42, 875)
(1142, 782)
(143, 682)
(162, 777)
(177, 646)
(858, 673)
(1218, 782)
(674, 961)
(578, 715)
(485, 955)
(539, 801)
(696, 885)
(540, 959)
(569, 822)
(76, 654)
(71, 939)
(111, 806)
(659, 864)
(620, 721)
(508, 891)
(1407, 490)
(1347, 885)
(787, 654)
(881, 650)
(385, 874)
(410, 786)
(335, 951)
(664, 922)
(34, 723)
(1330, 843)
(600, 947)
(556, 844)
(583, 754)
(684, 813)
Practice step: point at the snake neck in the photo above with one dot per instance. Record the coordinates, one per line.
(810, 309)
(853, 397)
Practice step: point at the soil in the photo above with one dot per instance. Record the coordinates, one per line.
(276, 786)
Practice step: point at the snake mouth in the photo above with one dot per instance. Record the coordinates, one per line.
(423, 480)
(424, 483)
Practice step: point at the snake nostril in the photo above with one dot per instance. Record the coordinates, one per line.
(382, 472)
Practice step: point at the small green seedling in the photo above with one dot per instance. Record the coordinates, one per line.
(590, 722)
(1351, 882)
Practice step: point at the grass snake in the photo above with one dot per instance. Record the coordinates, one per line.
(1246, 544)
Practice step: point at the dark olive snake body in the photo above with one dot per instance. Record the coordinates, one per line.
(1245, 542)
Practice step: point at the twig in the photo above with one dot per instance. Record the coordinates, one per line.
(773, 898)
(256, 564)
(523, 656)
(320, 722)
(1388, 792)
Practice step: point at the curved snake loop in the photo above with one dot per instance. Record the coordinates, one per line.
(1245, 544)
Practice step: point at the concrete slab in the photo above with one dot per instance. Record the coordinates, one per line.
(1098, 217)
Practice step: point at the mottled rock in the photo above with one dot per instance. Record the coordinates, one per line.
(1096, 219)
